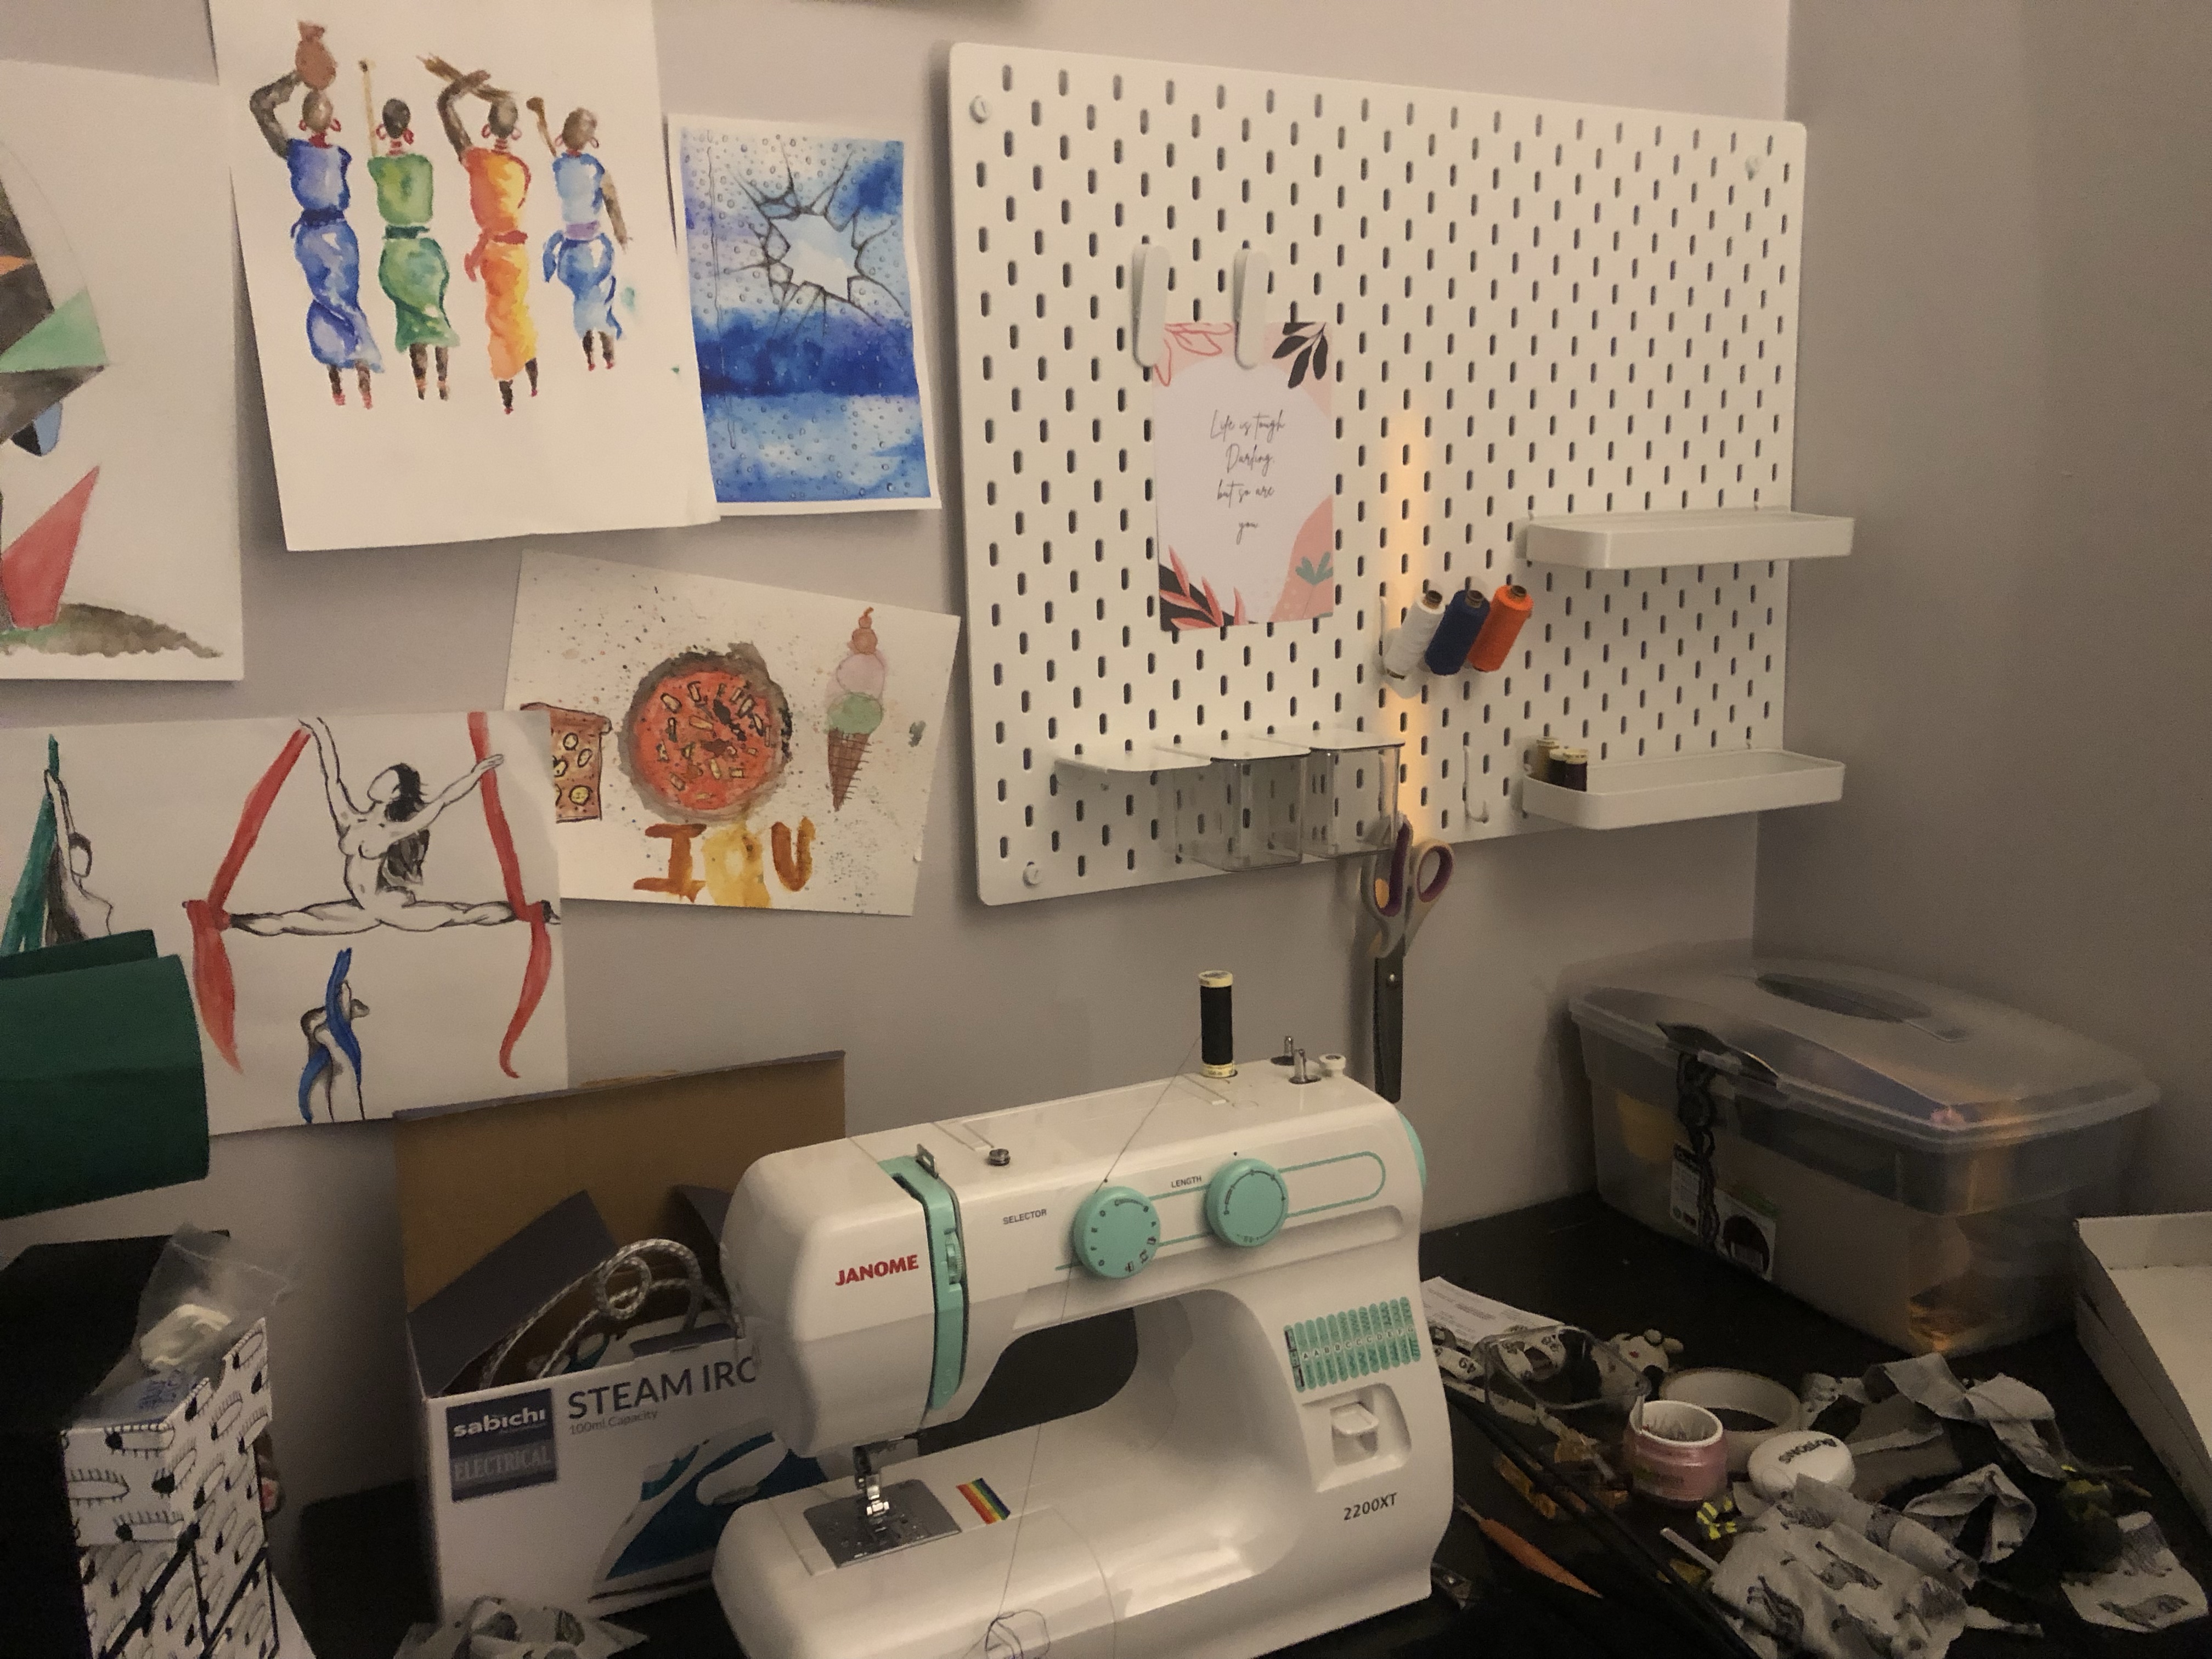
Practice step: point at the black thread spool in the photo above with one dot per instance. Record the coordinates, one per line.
(1217, 1031)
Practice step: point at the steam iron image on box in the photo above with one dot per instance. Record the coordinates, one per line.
(684, 1504)
(1278, 1464)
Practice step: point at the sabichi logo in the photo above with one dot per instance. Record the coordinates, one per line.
(897, 1264)
(491, 1421)
(501, 1445)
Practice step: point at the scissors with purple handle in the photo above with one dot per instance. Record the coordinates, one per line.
(1402, 887)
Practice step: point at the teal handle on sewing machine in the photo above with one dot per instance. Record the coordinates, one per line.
(948, 1273)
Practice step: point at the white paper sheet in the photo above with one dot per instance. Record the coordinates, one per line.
(120, 210)
(1471, 1318)
(439, 963)
(1244, 467)
(719, 743)
(595, 448)
(813, 363)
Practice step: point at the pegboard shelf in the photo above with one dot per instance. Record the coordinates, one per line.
(1623, 794)
(1113, 767)
(1648, 541)
(1534, 309)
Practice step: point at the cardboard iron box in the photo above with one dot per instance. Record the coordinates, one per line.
(596, 1487)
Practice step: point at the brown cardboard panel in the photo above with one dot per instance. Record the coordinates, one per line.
(470, 1180)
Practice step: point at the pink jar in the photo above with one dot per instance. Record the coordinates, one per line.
(1676, 1452)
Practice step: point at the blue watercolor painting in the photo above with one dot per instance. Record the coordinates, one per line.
(802, 311)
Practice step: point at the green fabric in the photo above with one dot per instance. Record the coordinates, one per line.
(67, 339)
(405, 189)
(100, 1087)
(102, 953)
(412, 270)
(25, 928)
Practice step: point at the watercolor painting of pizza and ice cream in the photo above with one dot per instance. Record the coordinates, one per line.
(719, 743)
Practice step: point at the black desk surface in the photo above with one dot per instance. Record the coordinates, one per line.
(1575, 1259)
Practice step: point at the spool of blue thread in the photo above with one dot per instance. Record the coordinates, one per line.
(1455, 636)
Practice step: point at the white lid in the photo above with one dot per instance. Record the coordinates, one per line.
(1807, 1454)
(1904, 1059)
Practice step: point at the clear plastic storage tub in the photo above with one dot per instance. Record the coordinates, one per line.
(1908, 1159)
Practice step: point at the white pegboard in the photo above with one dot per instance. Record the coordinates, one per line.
(1534, 308)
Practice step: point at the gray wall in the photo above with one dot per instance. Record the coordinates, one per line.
(2005, 353)
(965, 1008)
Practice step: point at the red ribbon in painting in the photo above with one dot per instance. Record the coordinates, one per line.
(540, 966)
(212, 986)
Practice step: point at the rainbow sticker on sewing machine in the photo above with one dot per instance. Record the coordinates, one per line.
(985, 1502)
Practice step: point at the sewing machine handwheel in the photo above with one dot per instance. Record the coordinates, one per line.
(1115, 1232)
(1246, 1202)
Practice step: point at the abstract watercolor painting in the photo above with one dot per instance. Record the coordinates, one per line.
(719, 743)
(1243, 465)
(470, 306)
(119, 422)
(368, 905)
(804, 310)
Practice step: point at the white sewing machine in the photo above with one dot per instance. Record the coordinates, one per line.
(1278, 1465)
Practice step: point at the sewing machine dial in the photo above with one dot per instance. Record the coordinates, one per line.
(1246, 1202)
(1115, 1232)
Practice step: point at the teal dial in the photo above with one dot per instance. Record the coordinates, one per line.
(1246, 1202)
(1115, 1231)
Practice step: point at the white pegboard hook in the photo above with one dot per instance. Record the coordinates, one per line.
(1254, 312)
(1148, 289)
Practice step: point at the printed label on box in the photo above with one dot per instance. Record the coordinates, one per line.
(1682, 1192)
(1747, 1231)
(501, 1445)
(1747, 1227)
(655, 1455)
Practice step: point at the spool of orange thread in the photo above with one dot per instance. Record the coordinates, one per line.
(1509, 608)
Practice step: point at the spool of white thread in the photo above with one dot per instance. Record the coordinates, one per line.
(1404, 646)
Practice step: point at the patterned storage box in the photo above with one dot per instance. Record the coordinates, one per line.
(178, 1455)
(167, 1509)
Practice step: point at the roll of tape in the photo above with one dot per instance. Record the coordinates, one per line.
(1721, 1390)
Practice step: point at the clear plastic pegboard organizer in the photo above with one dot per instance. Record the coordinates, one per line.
(1537, 309)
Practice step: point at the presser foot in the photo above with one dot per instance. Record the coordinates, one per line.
(911, 1514)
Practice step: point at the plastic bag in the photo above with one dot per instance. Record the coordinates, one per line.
(205, 1293)
(201, 1296)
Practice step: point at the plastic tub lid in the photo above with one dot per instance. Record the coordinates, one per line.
(1894, 1056)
